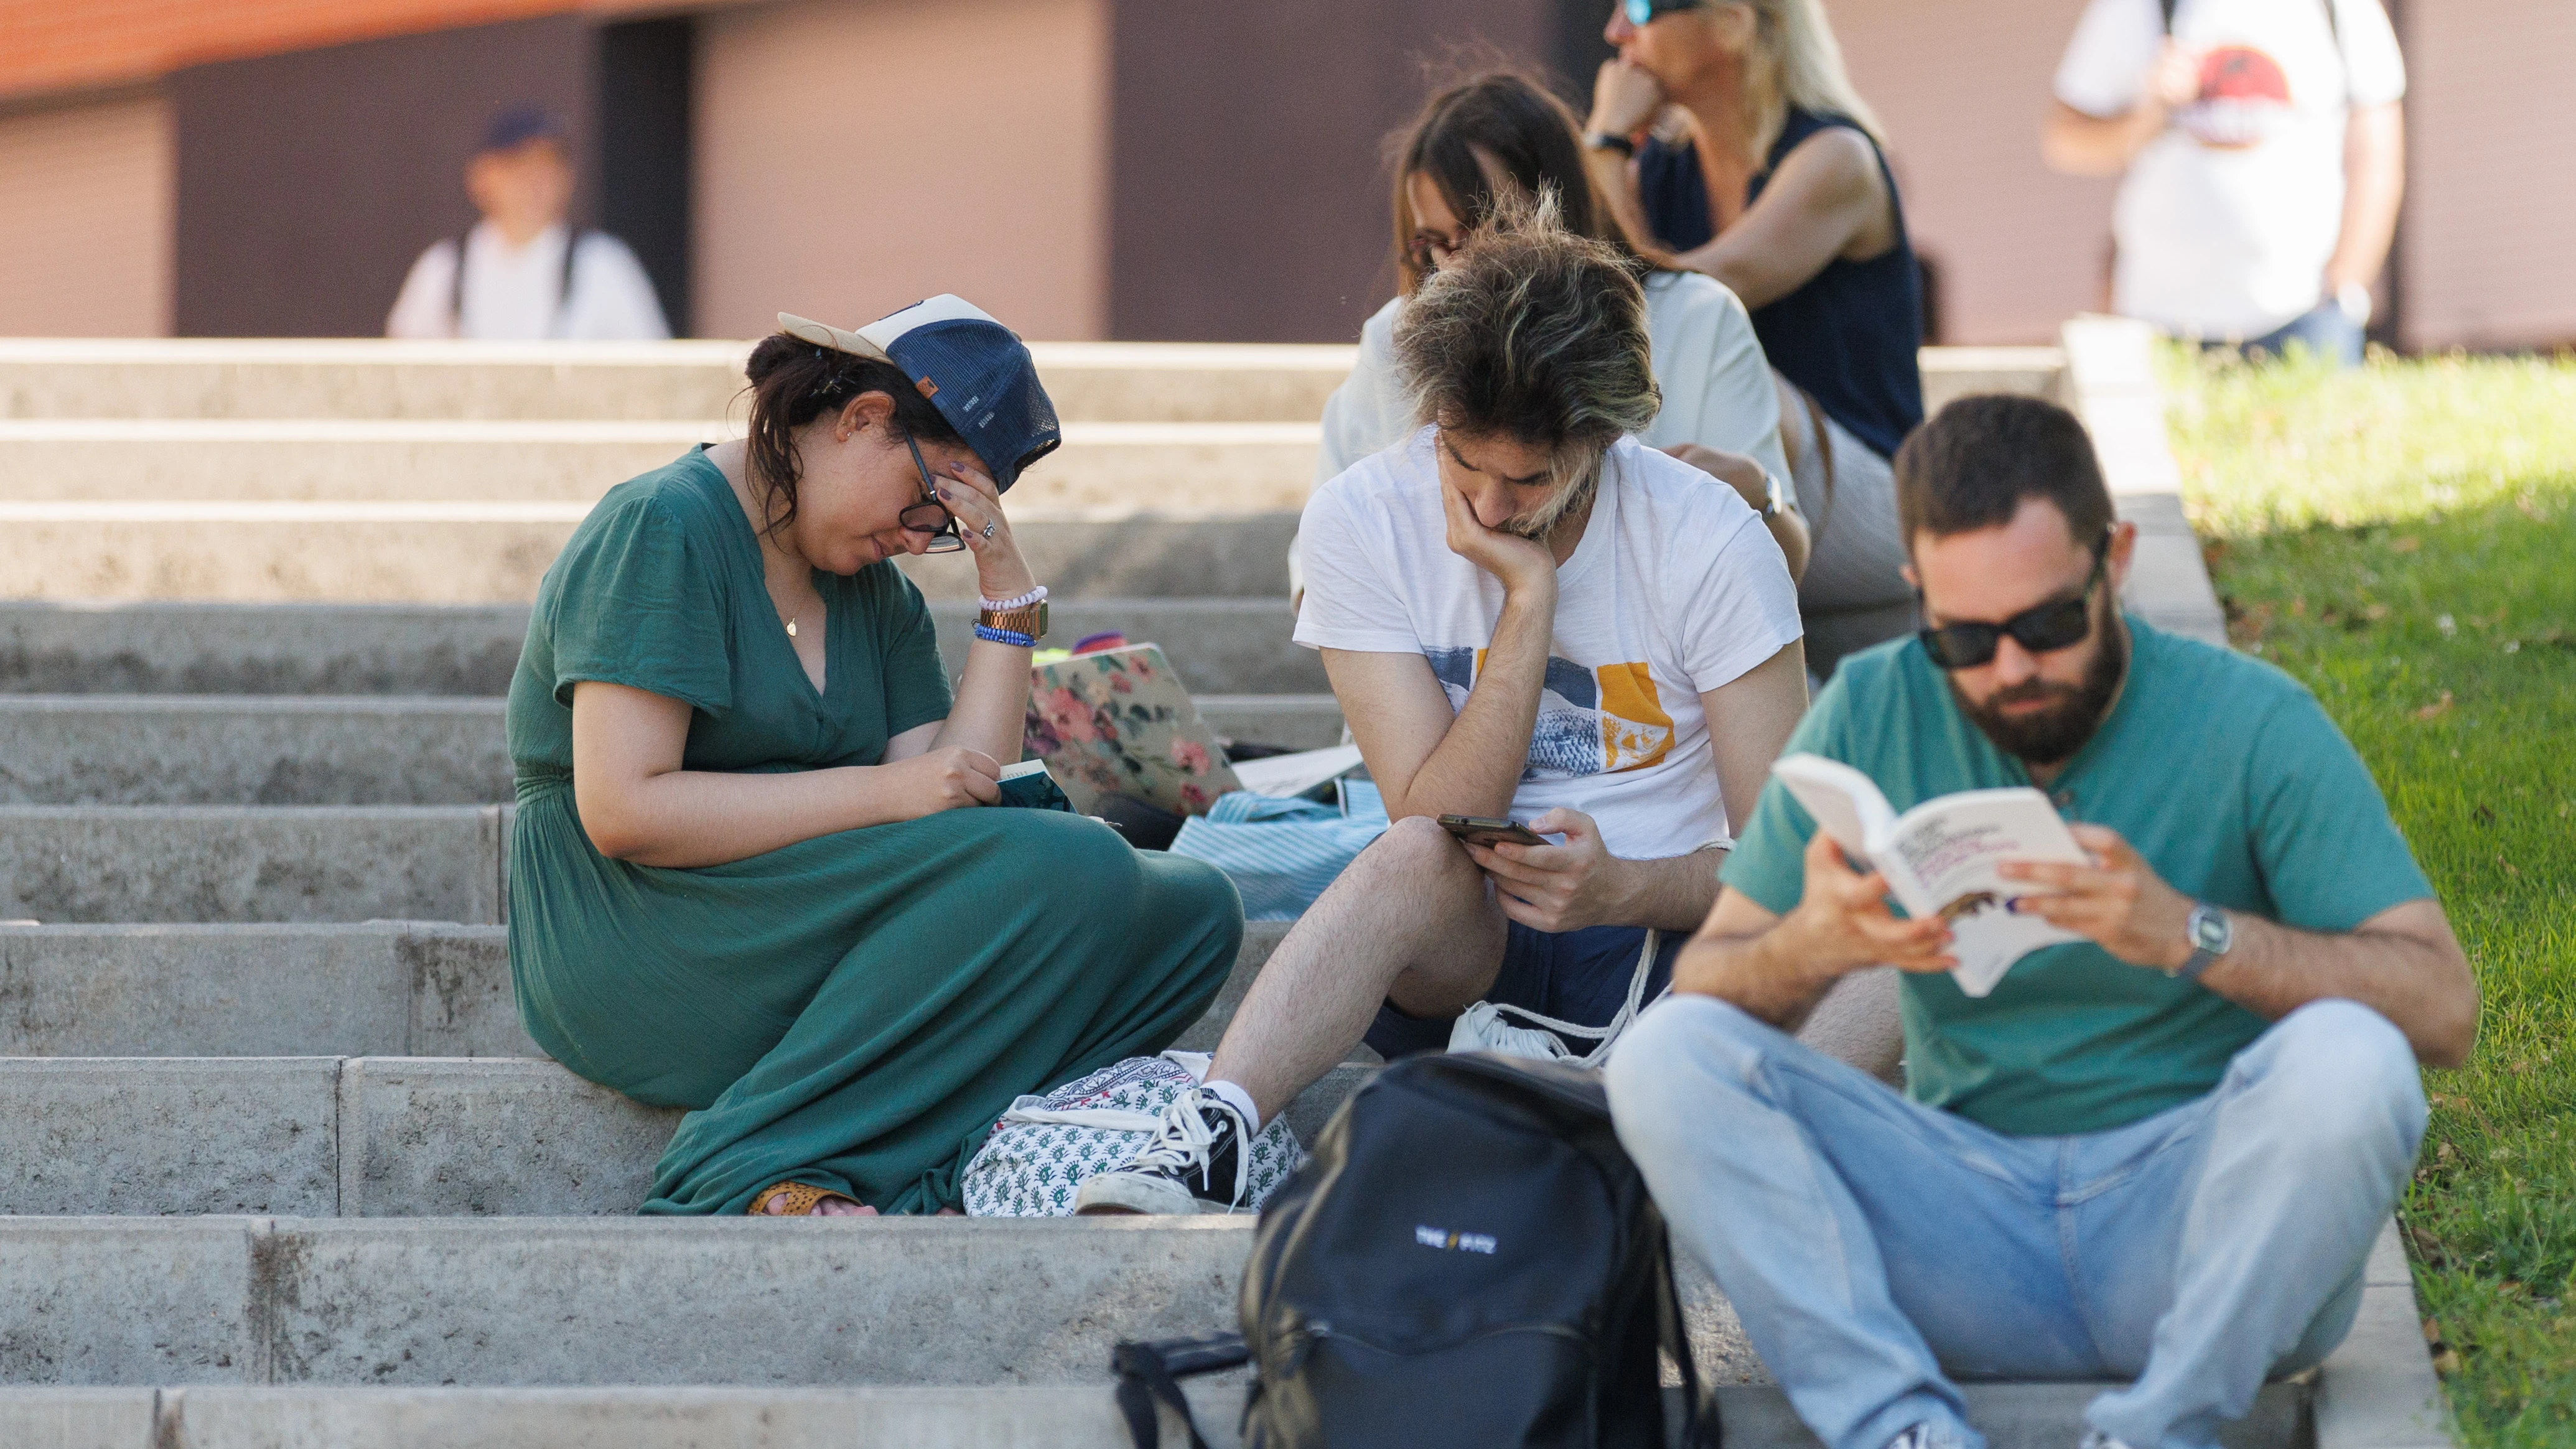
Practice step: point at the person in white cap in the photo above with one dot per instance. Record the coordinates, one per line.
(754, 873)
(524, 273)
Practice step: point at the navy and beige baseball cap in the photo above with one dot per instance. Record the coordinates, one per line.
(976, 371)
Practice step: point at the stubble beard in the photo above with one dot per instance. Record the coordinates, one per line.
(2052, 736)
(1538, 523)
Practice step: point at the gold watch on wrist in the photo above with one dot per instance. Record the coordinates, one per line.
(1029, 619)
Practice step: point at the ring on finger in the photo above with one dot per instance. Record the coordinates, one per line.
(988, 530)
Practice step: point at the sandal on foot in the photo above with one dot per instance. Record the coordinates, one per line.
(802, 1198)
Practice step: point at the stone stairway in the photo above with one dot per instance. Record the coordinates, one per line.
(278, 1165)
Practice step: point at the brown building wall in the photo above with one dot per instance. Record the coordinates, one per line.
(2490, 209)
(854, 156)
(308, 183)
(1962, 89)
(85, 244)
(1249, 200)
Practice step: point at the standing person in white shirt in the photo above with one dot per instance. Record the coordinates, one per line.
(526, 273)
(2265, 152)
(1526, 612)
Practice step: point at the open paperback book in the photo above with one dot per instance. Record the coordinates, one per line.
(1939, 858)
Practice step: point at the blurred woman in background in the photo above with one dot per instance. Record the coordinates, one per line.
(1727, 135)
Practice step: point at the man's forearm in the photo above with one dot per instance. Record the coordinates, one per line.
(2086, 145)
(2273, 970)
(1753, 974)
(1668, 894)
(1476, 767)
(2374, 183)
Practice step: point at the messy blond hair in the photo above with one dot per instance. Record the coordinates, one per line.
(1532, 332)
(1797, 62)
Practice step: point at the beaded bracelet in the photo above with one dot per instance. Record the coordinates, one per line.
(1022, 602)
(1012, 637)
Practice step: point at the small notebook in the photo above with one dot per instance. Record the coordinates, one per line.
(1118, 722)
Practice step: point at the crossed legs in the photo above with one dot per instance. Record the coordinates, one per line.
(1410, 921)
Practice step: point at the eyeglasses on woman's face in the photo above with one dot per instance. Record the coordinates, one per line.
(930, 516)
(2043, 628)
(1429, 249)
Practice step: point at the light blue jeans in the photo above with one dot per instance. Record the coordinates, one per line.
(1876, 1250)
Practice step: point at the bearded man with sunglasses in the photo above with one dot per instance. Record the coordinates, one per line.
(2159, 1154)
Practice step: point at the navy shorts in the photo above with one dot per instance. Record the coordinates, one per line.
(1578, 976)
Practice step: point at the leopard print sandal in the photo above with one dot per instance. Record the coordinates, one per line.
(802, 1198)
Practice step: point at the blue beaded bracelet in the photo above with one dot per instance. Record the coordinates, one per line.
(1011, 637)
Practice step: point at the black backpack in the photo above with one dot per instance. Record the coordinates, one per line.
(1468, 1258)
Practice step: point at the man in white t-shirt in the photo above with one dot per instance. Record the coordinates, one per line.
(526, 273)
(1524, 612)
(2265, 154)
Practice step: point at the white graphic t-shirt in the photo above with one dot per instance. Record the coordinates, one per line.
(2226, 221)
(1675, 590)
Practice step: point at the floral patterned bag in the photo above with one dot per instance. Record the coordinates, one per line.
(1118, 722)
(1046, 1147)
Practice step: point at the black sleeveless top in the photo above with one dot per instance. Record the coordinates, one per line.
(1849, 335)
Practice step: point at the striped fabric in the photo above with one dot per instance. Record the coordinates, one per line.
(1282, 853)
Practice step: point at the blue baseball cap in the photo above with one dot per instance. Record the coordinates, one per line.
(517, 126)
(973, 369)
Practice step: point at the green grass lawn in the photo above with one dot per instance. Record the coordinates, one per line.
(2403, 539)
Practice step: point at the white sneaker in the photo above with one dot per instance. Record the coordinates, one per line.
(1926, 1436)
(1195, 1164)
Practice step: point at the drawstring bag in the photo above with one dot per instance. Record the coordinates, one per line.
(1482, 1027)
(1046, 1147)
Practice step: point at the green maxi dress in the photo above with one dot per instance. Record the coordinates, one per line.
(855, 1010)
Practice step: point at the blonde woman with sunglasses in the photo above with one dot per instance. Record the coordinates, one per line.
(1727, 136)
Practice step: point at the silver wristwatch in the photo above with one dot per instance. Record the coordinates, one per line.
(2210, 934)
(1774, 502)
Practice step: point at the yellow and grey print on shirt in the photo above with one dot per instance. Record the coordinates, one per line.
(1590, 721)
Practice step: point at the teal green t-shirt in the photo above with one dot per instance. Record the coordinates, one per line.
(661, 589)
(2222, 771)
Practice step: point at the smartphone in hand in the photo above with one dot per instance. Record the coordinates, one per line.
(1477, 830)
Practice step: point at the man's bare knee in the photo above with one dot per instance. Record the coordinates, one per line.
(1415, 856)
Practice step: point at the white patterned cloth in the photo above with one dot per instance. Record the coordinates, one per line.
(1048, 1146)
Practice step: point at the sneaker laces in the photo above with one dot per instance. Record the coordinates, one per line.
(1184, 1142)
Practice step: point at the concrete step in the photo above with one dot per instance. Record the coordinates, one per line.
(252, 863)
(1754, 1416)
(569, 1301)
(108, 749)
(368, 989)
(495, 552)
(1954, 372)
(365, 378)
(358, 750)
(1220, 645)
(321, 1136)
(56, 469)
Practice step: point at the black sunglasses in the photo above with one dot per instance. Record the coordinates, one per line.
(931, 516)
(2057, 624)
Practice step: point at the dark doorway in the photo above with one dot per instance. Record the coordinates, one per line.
(645, 98)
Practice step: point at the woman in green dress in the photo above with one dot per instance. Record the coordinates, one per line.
(757, 870)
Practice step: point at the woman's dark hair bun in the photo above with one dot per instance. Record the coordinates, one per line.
(792, 382)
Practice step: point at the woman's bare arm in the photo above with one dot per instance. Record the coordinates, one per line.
(1826, 201)
(637, 804)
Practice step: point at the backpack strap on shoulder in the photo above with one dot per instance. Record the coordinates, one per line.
(1150, 1373)
(456, 288)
